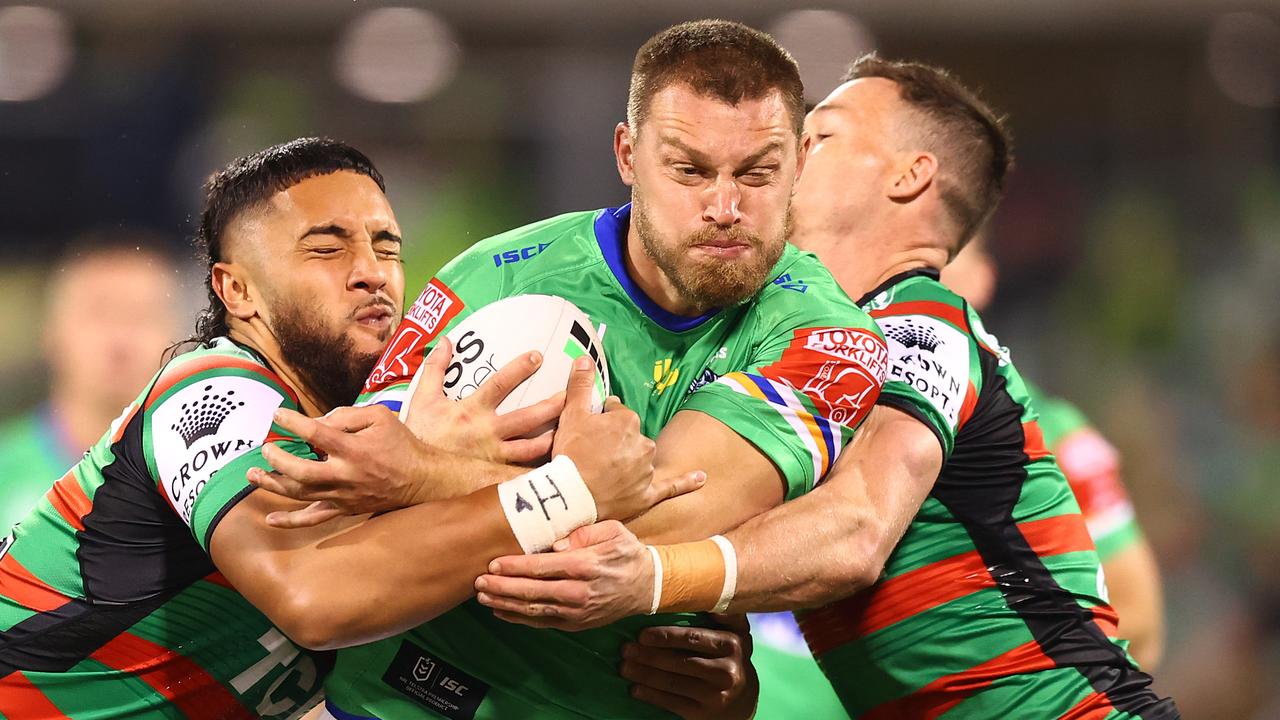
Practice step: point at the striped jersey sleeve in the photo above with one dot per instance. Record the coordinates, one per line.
(815, 375)
(206, 419)
(933, 366)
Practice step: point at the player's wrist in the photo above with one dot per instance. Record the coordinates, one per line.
(697, 576)
(546, 504)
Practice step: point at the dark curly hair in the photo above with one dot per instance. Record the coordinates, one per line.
(250, 181)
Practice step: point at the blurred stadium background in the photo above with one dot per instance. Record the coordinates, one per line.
(1139, 243)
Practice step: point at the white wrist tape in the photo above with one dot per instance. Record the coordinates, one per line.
(730, 573)
(546, 504)
(657, 579)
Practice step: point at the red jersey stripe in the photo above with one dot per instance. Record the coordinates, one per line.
(1095, 706)
(18, 584)
(1107, 619)
(1057, 535)
(942, 311)
(178, 372)
(179, 680)
(946, 692)
(21, 700)
(915, 591)
(70, 500)
(1034, 446)
(893, 601)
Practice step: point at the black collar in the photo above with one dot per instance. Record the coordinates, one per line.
(928, 272)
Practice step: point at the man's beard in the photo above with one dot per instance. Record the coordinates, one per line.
(326, 361)
(708, 282)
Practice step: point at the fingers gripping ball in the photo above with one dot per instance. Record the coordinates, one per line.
(499, 332)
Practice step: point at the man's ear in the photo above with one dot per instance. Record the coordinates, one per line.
(231, 283)
(915, 178)
(806, 140)
(624, 153)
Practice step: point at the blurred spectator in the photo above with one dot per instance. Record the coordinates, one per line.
(112, 307)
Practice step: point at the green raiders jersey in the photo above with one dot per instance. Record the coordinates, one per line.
(793, 371)
(109, 604)
(1092, 467)
(33, 453)
(992, 604)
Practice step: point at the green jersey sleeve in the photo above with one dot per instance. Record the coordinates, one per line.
(815, 372)
(206, 419)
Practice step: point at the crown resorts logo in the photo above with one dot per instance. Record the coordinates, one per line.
(203, 417)
(910, 335)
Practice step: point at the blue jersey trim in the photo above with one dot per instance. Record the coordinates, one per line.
(776, 399)
(341, 714)
(611, 233)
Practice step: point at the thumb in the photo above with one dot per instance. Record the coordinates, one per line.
(588, 535)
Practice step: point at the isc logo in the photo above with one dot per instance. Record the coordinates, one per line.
(514, 256)
(453, 686)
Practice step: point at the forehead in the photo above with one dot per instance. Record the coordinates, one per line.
(679, 112)
(339, 195)
(863, 100)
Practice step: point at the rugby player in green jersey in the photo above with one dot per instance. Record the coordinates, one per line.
(147, 582)
(739, 353)
(110, 311)
(950, 570)
(1092, 467)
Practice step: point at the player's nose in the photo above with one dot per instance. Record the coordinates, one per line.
(721, 207)
(366, 272)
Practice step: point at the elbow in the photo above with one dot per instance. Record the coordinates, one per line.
(330, 619)
(855, 564)
(862, 561)
(320, 620)
(310, 623)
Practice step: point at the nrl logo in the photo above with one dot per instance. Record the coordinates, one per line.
(423, 668)
(911, 335)
(201, 418)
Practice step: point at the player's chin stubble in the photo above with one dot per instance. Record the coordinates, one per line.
(326, 360)
(709, 283)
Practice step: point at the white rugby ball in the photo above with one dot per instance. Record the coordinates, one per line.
(500, 332)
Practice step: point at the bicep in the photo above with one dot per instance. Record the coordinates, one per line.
(742, 481)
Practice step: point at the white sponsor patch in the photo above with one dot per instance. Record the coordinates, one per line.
(932, 357)
(204, 426)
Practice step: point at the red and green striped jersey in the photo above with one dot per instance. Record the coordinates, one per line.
(793, 371)
(991, 605)
(1092, 467)
(33, 453)
(109, 604)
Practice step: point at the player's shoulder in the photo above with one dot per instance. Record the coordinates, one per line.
(918, 292)
(557, 241)
(802, 290)
(210, 376)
